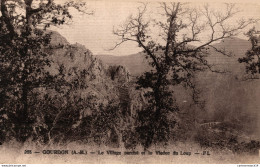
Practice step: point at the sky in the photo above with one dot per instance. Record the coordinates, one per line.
(96, 31)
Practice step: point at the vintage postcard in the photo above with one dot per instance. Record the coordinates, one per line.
(129, 82)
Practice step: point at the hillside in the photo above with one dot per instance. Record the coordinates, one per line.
(135, 63)
(228, 97)
(76, 59)
(90, 86)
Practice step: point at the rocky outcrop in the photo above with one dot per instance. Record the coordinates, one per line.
(119, 74)
(95, 79)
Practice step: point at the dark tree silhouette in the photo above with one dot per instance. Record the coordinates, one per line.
(252, 57)
(180, 52)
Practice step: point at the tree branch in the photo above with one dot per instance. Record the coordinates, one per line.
(171, 32)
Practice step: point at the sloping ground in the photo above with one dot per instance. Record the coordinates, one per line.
(229, 96)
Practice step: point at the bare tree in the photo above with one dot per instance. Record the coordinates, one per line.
(179, 54)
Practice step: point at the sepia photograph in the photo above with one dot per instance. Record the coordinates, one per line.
(129, 82)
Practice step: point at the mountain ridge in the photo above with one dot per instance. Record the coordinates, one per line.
(137, 64)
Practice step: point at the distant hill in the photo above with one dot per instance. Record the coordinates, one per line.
(237, 47)
(135, 63)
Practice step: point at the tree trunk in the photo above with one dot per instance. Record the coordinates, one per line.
(24, 113)
(258, 64)
(23, 119)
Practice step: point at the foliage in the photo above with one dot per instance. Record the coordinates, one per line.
(102, 127)
(23, 39)
(252, 59)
